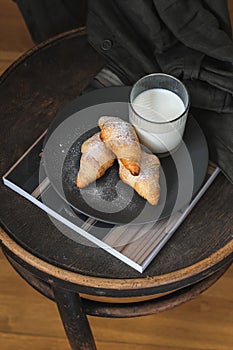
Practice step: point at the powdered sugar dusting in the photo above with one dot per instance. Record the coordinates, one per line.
(149, 165)
(121, 130)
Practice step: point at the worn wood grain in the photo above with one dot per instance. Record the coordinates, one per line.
(14, 36)
(31, 93)
(29, 321)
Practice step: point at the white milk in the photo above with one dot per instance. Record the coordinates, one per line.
(158, 106)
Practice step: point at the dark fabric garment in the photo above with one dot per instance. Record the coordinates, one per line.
(172, 36)
(218, 129)
(46, 18)
(188, 39)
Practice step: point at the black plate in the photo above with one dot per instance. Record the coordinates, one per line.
(109, 199)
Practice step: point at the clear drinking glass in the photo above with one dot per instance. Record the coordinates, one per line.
(158, 109)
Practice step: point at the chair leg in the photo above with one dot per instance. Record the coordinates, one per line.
(74, 320)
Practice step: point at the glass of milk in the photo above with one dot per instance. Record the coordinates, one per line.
(158, 109)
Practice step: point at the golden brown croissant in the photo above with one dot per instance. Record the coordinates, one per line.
(146, 184)
(121, 138)
(95, 160)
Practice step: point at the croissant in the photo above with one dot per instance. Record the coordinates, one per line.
(146, 184)
(121, 138)
(96, 158)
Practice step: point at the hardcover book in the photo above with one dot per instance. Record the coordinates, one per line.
(136, 245)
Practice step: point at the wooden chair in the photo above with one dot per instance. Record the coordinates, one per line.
(32, 90)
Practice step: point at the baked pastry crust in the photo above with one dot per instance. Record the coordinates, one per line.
(121, 138)
(96, 158)
(146, 184)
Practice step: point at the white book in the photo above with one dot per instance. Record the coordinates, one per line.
(135, 245)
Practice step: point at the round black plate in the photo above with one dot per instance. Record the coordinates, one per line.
(109, 199)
